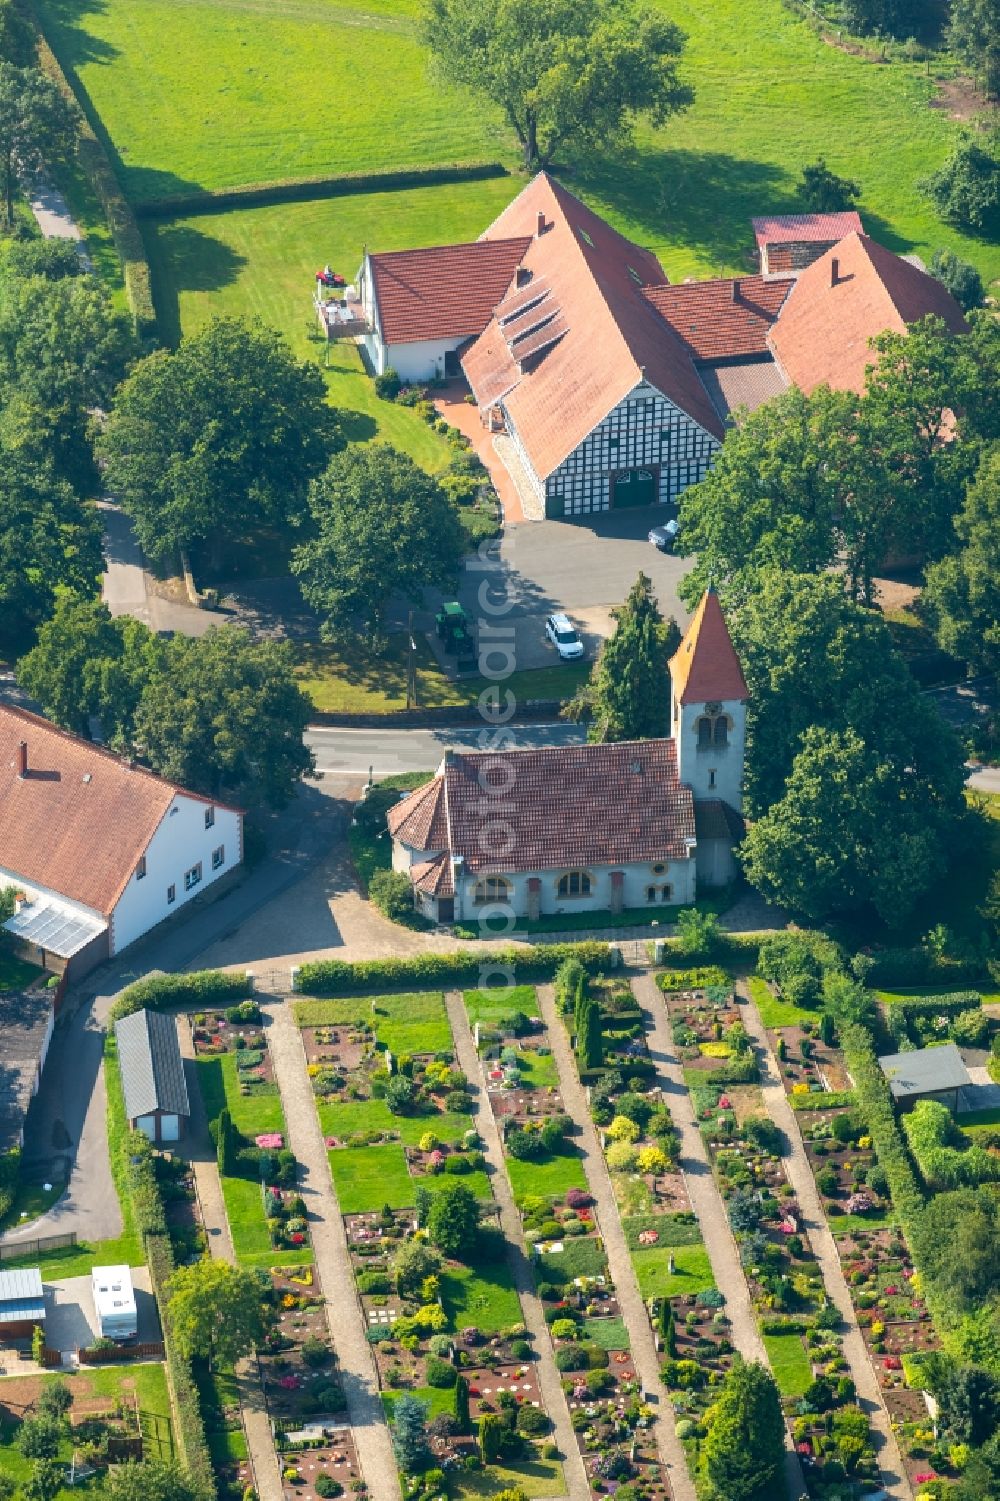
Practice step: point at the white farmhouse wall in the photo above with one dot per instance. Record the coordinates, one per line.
(180, 842)
(50, 1027)
(422, 360)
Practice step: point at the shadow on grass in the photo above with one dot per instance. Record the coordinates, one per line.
(185, 259)
(61, 21)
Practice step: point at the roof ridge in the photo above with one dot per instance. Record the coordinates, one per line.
(384, 255)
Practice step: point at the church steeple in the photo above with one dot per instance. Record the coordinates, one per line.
(705, 667)
(708, 707)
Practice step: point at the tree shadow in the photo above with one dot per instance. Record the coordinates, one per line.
(74, 45)
(185, 259)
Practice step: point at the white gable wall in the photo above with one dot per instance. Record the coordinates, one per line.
(180, 842)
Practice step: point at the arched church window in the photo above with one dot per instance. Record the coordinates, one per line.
(491, 889)
(574, 883)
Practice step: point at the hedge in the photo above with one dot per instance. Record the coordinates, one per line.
(698, 978)
(822, 1099)
(122, 222)
(10, 1176)
(308, 189)
(340, 977)
(891, 969)
(159, 992)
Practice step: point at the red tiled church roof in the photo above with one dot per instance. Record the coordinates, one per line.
(721, 319)
(799, 229)
(857, 290)
(419, 819)
(446, 291)
(705, 667)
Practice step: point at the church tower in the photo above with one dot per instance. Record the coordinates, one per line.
(708, 708)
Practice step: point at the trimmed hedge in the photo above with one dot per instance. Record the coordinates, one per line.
(822, 1099)
(308, 189)
(204, 988)
(340, 977)
(698, 978)
(97, 165)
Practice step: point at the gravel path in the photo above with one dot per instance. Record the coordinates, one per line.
(633, 1309)
(706, 1201)
(198, 1149)
(824, 1246)
(333, 1264)
(549, 1379)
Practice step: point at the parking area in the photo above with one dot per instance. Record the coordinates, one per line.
(71, 1318)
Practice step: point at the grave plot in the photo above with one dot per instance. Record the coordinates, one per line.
(237, 1031)
(318, 1462)
(844, 1165)
(708, 1031)
(694, 1341)
(808, 1062)
(297, 1366)
(180, 1199)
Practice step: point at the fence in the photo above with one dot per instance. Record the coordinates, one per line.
(17, 1250)
(151, 1350)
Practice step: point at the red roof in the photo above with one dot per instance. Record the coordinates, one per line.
(444, 292)
(564, 807)
(854, 292)
(705, 668)
(419, 818)
(796, 229)
(80, 819)
(721, 319)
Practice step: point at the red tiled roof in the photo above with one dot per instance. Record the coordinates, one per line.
(446, 291)
(610, 344)
(722, 319)
(742, 384)
(419, 818)
(793, 229)
(822, 335)
(80, 819)
(705, 668)
(714, 819)
(434, 877)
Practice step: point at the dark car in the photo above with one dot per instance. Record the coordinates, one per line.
(663, 537)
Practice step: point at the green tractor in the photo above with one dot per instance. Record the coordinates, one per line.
(455, 632)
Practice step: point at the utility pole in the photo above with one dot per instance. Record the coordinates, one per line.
(411, 665)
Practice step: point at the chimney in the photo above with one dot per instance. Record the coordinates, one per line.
(736, 289)
(541, 224)
(22, 759)
(834, 271)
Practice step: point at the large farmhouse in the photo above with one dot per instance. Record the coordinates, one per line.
(602, 384)
(98, 850)
(589, 827)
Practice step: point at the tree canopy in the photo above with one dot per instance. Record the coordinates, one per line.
(628, 694)
(47, 540)
(565, 73)
(150, 1480)
(823, 192)
(963, 589)
(743, 1451)
(37, 125)
(216, 1311)
(384, 529)
(453, 1221)
(213, 440)
(974, 36)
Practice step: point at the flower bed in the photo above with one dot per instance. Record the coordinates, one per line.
(322, 1466)
(298, 1369)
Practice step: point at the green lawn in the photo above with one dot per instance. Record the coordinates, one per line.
(341, 1118)
(438, 1400)
(416, 1023)
(776, 1013)
(672, 1230)
(610, 1334)
(552, 1176)
(789, 1363)
(253, 1114)
(368, 1177)
(693, 1274)
(489, 1006)
(538, 1070)
(483, 1295)
(581, 1256)
(537, 1478)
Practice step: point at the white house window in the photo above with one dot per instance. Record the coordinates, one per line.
(219, 857)
(491, 889)
(574, 883)
(209, 817)
(192, 877)
(140, 869)
(658, 870)
(171, 894)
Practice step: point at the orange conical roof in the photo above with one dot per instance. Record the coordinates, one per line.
(705, 668)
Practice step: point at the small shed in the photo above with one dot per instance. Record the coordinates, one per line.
(926, 1074)
(22, 1302)
(152, 1071)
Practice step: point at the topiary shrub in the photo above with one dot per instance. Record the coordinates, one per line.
(388, 385)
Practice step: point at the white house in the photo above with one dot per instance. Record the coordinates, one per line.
(589, 827)
(98, 850)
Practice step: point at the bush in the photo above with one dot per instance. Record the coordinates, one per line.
(315, 1352)
(325, 1486)
(966, 189)
(571, 1358)
(388, 385)
(392, 894)
(970, 1029)
(961, 278)
(440, 1373)
(532, 1421)
(202, 990)
(823, 192)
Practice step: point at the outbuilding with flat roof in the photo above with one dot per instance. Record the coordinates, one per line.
(926, 1074)
(22, 1302)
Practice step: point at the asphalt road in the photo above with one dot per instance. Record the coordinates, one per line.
(350, 753)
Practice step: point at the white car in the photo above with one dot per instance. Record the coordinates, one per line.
(563, 637)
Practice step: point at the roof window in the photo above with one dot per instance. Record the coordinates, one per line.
(634, 275)
(584, 236)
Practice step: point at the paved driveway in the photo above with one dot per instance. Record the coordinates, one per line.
(71, 1318)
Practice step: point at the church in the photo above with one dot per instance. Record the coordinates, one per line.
(600, 828)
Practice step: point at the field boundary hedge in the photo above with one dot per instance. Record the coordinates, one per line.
(340, 977)
(305, 189)
(96, 163)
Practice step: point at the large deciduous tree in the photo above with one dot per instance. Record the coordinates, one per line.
(628, 695)
(37, 127)
(963, 589)
(743, 1451)
(974, 35)
(212, 441)
(216, 1311)
(47, 540)
(564, 72)
(384, 529)
(150, 1480)
(453, 1221)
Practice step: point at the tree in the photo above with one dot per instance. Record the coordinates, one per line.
(897, 18)
(150, 1480)
(854, 829)
(960, 277)
(399, 1093)
(959, 1236)
(743, 1451)
(38, 1437)
(628, 694)
(698, 933)
(409, 1435)
(48, 541)
(55, 1399)
(965, 190)
(392, 894)
(225, 714)
(215, 1311)
(963, 589)
(823, 192)
(47, 1478)
(16, 42)
(564, 74)
(218, 438)
(384, 528)
(37, 129)
(461, 1400)
(590, 1036)
(453, 1222)
(492, 1437)
(773, 495)
(974, 36)
(967, 1398)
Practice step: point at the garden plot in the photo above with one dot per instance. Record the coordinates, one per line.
(708, 1032)
(843, 1163)
(238, 1032)
(175, 1178)
(320, 1461)
(803, 1043)
(694, 1339)
(297, 1367)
